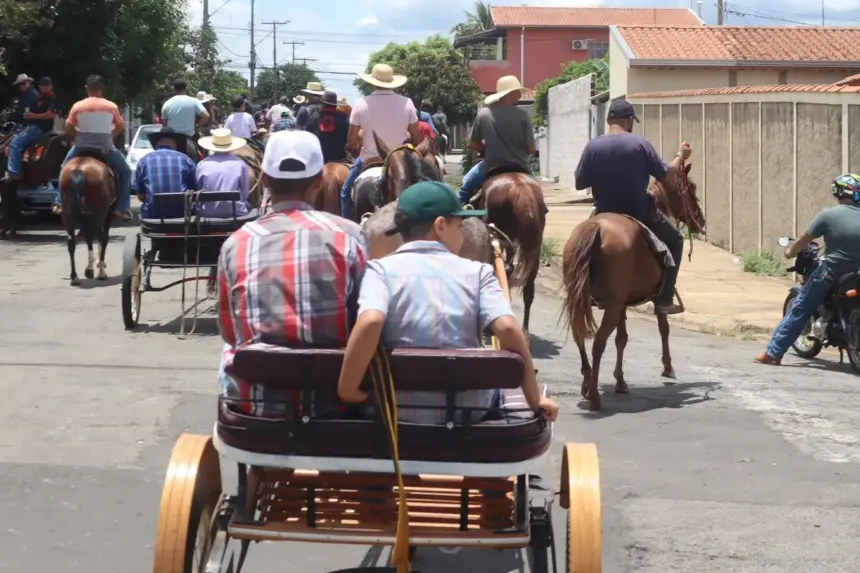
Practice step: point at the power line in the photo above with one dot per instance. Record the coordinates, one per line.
(338, 34)
(218, 8)
(294, 44)
(220, 43)
(275, 25)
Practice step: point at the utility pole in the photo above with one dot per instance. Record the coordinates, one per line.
(822, 12)
(275, 25)
(305, 61)
(721, 12)
(205, 13)
(294, 44)
(253, 63)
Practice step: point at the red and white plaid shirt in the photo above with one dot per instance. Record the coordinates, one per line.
(290, 278)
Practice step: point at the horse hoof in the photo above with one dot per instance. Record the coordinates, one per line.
(622, 388)
(102, 277)
(75, 281)
(595, 405)
(89, 273)
(670, 373)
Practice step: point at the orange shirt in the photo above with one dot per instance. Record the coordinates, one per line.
(95, 119)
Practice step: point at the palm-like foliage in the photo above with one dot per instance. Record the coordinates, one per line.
(478, 20)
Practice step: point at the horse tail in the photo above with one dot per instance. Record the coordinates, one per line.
(530, 224)
(576, 309)
(75, 197)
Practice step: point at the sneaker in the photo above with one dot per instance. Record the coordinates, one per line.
(123, 216)
(668, 309)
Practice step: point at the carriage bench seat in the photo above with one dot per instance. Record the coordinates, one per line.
(513, 434)
(206, 226)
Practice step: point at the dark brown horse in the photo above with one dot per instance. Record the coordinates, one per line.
(43, 160)
(88, 191)
(609, 260)
(515, 205)
(398, 173)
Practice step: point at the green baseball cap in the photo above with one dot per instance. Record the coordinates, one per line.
(427, 200)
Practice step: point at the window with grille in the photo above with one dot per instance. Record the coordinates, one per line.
(597, 50)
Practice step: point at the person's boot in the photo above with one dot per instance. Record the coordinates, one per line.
(670, 308)
(765, 358)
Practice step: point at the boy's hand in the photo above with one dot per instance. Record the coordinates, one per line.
(549, 409)
(356, 397)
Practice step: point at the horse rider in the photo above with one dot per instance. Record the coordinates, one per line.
(93, 123)
(36, 111)
(503, 131)
(392, 117)
(330, 126)
(299, 102)
(208, 101)
(240, 122)
(426, 114)
(183, 113)
(314, 92)
(840, 227)
(223, 171)
(440, 120)
(164, 170)
(276, 112)
(285, 123)
(617, 166)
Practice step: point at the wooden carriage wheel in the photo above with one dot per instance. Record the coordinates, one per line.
(189, 499)
(580, 495)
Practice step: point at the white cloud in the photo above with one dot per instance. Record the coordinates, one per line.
(368, 21)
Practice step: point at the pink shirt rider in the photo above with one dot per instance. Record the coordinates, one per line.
(387, 114)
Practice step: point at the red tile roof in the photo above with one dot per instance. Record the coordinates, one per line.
(541, 17)
(782, 88)
(741, 44)
(849, 81)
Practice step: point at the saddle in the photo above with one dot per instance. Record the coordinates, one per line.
(34, 152)
(98, 155)
(660, 251)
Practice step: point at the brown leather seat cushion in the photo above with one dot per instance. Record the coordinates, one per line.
(510, 435)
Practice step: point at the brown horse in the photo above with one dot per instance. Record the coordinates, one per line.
(328, 195)
(609, 260)
(398, 173)
(88, 191)
(515, 205)
(254, 163)
(46, 157)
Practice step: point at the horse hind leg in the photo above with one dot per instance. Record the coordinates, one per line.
(89, 272)
(104, 237)
(611, 318)
(620, 345)
(528, 299)
(71, 243)
(585, 369)
(663, 325)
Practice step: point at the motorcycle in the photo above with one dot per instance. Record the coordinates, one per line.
(836, 323)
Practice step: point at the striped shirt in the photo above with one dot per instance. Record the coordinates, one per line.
(95, 118)
(291, 279)
(432, 298)
(165, 170)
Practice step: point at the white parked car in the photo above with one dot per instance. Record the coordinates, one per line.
(140, 147)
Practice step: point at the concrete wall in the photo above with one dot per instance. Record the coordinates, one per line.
(762, 162)
(569, 129)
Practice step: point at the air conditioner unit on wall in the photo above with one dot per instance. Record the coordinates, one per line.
(579, 44)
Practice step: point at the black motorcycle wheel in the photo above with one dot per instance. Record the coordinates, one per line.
(803, 346)
(852, 337)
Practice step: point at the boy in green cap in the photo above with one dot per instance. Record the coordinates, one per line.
(425, 296)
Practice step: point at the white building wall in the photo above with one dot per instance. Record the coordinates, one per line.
(569, 129)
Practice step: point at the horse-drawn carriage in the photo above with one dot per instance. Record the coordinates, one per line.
(192, 241)
(315, 472)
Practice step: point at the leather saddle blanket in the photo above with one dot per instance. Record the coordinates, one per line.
(34, 152)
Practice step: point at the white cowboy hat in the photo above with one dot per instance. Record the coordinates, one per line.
(21, 79)
(300, 99)
(314, 88)
(222, 140)
(504, 86)
(382, 76)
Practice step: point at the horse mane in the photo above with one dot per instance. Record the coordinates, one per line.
(420, 170)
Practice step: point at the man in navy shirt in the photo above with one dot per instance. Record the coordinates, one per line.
(618, 167)
(36, 111)
(165, 170)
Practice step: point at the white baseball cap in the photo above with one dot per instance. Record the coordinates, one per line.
(292, 155)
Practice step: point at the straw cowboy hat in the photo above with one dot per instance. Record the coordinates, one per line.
(222, 140)
(382, 76)
(205, 97)
(343, 101)
(314, 88)
(21, 79)
(504, 86)
(300, 99)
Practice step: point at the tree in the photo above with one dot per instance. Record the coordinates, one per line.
(135, 44)
(208, 73)
(436, 72)
(292, 79)
(572, 71)
(478, 20)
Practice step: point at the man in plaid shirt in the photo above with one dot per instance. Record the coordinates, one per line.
(290, 278)
(286, 123)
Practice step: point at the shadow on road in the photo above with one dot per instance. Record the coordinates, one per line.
(35, 236)
(207, 325)
(542, 347)
(88, 284)
(454, 559)
(647, 398)
(818, 364)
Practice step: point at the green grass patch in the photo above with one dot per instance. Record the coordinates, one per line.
(764, 263)
(549, 250)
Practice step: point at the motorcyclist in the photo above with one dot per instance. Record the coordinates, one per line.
(840, 227)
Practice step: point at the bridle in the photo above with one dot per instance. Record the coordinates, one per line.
(686, 194)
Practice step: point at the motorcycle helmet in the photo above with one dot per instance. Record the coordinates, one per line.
(847, 185)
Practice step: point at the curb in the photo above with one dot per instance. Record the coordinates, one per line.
(550, 279)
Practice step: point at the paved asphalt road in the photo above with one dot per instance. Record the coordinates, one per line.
(737, 467)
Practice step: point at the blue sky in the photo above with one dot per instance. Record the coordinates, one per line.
(340, 34)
